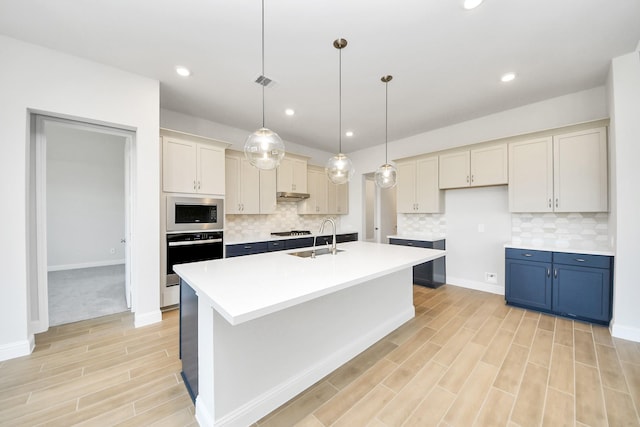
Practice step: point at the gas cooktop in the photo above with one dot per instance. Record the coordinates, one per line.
(292, 233)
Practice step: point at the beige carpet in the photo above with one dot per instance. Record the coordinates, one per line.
(85, 293)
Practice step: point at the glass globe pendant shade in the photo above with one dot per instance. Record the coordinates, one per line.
(264, 149)
(339, 169)
(386, 176)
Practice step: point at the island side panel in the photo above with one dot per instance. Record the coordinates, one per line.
(263, 363)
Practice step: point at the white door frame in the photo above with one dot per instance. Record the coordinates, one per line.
(40, 322)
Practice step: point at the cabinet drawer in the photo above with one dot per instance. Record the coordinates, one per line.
(301, 242)
(526, 254)
(246, 249)
(276, 245)
(582, 260)
(416, 243)
(350, 237)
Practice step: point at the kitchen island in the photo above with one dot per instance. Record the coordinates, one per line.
(271, 325)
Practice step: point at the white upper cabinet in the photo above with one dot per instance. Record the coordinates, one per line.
(417, 187)
(474, 168)
(338, 198)
(580, 173)
(563, 173)
(192, 167)
(318, 185)
(531, 175)
(292, 175)
(249, 190)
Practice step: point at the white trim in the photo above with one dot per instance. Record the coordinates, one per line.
(16, 349)
(144, 319)
(42, 324)
(478, 286)
(85, 265)
(625, 332)
(256, 408)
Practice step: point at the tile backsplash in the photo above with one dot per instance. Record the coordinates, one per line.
(576, 230)
(241, 227)
(422, 225)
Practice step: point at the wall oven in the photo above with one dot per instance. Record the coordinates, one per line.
(191, 247)
(194, 214)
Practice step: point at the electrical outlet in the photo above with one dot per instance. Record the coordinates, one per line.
(491, 277)
(112, 251)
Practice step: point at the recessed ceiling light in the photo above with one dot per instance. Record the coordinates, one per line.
(471, 4)
(349, 133)
(507, 77)
(289, 112)
(183, 71)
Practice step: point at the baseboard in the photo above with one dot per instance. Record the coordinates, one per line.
(625, 332)
(149, 318)
(16, 349)
(255, 409)
(478, 286)
(85, 265)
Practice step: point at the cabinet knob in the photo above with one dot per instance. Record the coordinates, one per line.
(467, 179)
(549, 201)
(555, 273)
(194, 185)
(198, 185)
(472, 178)
(556, 202)
(548, 272)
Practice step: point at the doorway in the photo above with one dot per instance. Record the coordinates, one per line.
(82, 218)
(380, 214)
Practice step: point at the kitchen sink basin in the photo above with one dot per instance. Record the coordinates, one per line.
(309, 253)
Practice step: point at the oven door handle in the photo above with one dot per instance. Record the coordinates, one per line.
(194, 242)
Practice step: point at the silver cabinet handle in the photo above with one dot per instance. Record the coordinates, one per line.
(555, 273)
(527, 255)
(467, 178)
(198, 185)
(548, 272)
(580, 260)
(556, 202)
(472, 178)
(549, 202)
(194, 184)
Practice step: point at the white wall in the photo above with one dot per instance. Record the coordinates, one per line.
(236, 137)
(85, 194)
(33, 78)
(566, 110)
(624, 97)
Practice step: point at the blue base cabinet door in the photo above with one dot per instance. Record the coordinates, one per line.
(582, 292)
(528, 283)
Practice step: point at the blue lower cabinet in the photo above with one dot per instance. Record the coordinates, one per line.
(432, 274)
(571, 285)
(246, 249)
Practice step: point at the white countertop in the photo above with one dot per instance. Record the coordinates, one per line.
(270, 238)
(552, 248)
(421, 237)
(249, 287)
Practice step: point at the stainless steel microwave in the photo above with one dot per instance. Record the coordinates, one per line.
(194, 213)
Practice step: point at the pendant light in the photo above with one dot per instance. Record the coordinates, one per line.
(339, 168)
(263, 148)
(386, 175)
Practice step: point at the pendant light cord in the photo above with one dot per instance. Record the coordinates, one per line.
(339, 101)
(386, 122)
(262, 84)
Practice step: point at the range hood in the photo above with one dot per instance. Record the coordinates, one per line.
(282, 196)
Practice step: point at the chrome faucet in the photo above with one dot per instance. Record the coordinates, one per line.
(334, 249)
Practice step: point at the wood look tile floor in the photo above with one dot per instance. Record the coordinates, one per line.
(466, 359)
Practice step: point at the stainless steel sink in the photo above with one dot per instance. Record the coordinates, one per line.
(309, 253)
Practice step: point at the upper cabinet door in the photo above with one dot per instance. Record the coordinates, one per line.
(299, 176)
(267, 191)
(428, 194)
(292, 175)
(179, 166)
(406, 187)
(580, 171)
(233, 200)
(210, 169)
(249, 187)
(454, 170)
(489, 166)
(531, 175)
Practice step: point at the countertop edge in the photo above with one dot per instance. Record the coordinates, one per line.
(420, 238)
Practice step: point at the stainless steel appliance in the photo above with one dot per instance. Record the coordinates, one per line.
(191, 247)
(291, 233)
(194, 213)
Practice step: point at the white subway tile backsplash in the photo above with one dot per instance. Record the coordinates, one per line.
(575, 230)
(422, 224)
(286, 218)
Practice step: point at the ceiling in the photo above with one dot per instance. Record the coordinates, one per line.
(446, 62)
